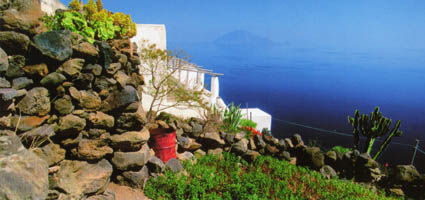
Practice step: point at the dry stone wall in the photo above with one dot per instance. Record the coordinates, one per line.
(73, 104)
(76, 108)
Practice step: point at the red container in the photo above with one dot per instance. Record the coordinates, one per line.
(164, 143)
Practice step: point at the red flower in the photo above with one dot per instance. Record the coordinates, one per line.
(252, 130)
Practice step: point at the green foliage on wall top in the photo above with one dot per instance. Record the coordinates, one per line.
(247, 122)
(92, 21)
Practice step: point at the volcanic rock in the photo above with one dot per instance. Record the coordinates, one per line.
(130, 141)
(37, 69)
(328, 172)
(155, 164)
(213, 140)
(16, 64)
(41, 133)
(122, 78)
(14, 43)
(72, 67)
(4, 61)
(85, 50)
(53, 79)
(27, 123)
(21, 82)
(51, 153)
(64, 105)
(113, 68)
(22, 16)
(129, 160)
(137, 179)
(405, 173)
(36, 102)
(54, 44)
(241, 146)
(174, 165)
(7, 94)
(23, 175)
(93, 149)
(80, 178)
(117, 99)
(71, 122)
(106, 54)
(101, 120)
(312, 157)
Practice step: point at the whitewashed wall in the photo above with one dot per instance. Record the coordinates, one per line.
(148, 34)
(50, 6)
(263, 119)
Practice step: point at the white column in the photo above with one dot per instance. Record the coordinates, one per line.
(214, 89)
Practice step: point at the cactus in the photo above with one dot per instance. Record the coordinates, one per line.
(372, 128)
(394, 132)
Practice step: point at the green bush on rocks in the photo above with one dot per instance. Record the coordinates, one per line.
(92, 22)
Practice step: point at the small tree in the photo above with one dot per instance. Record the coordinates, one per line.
(160, 68)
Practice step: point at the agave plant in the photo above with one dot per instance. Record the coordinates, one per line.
(232, 118)
(372, 127)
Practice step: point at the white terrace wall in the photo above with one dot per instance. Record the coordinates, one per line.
(263, 119)
(50, 6)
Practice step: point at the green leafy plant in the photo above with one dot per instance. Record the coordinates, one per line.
(103, 23)
(75, 22)
(340, 149)
(92, 21)
(373, 126)
(127, 28)
(230, 177)
(247, 122)
(232, 118)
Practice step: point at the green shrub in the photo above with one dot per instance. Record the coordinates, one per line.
(230, 177)
(340, 149)
(247, 122)
(92, 22)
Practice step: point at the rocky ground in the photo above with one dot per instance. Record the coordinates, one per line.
(72, 126)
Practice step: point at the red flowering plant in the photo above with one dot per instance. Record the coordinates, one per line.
(248, 126)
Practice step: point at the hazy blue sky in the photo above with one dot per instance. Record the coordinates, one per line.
(336, 24)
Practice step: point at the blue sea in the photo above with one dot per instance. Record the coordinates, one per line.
(320, 87)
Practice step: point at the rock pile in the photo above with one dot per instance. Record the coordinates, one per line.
(74, 104)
